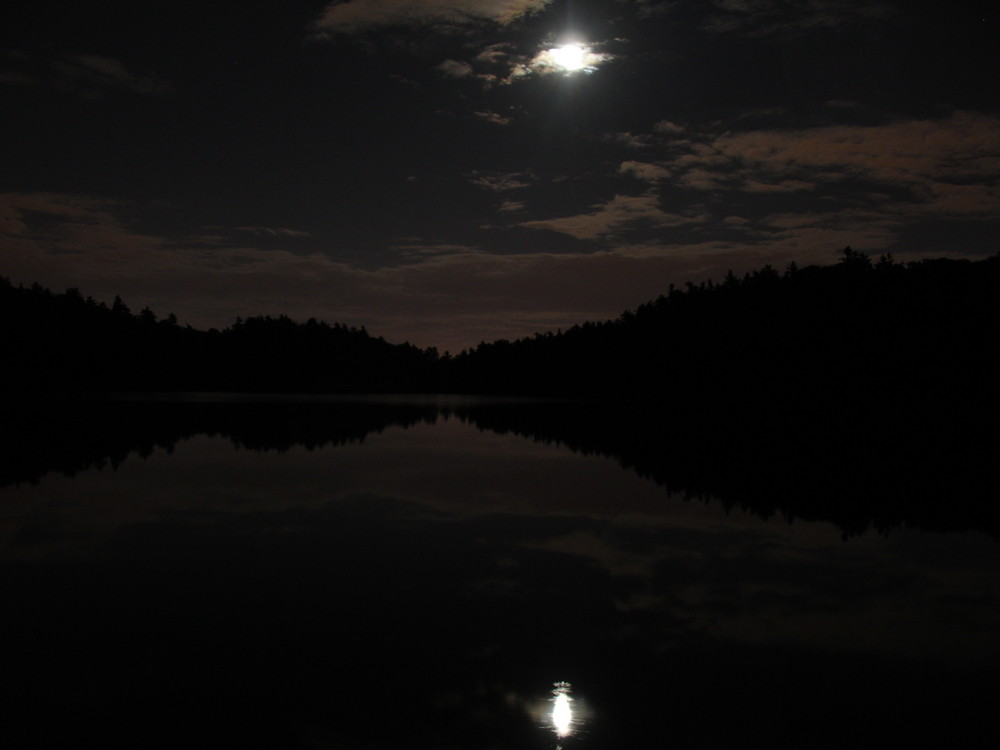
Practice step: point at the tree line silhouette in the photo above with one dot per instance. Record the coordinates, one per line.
(856, 329)
(63, 343)
(845, 336)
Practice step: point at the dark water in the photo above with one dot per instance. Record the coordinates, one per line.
(343, 575)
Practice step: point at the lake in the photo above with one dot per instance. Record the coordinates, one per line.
(350, 573)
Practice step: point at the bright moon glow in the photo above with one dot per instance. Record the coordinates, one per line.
(569, 57)
(562, 711)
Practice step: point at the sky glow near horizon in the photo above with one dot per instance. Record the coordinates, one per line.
(447, 172)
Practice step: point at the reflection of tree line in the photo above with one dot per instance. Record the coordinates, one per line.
(842, 467)
(814, 467)
(71, 435)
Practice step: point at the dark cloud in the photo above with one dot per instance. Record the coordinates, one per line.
(358, 15)
(500, 182)
(455, 69)
(86, 75)
(274, 231)
(773, 17)
(492, 117)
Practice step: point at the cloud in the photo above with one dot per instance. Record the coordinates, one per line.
(776, 18)
(802, 194)
(415, 249)
(549, 62)
(946, 166)
(810, 189)
(653, 8)
(645, 172)
(631, 140)
(492, 117)
(501, 64)
(552, 60)
(842, 104)
(113, 73)
(455, 69)
(668, 128)
(611, 219)
(274, 231)
(499, 182)
(943, 167)
(359, 15)
(89, 76)
(496, 53)
(777, 186)
(801, 235)
(39, 225)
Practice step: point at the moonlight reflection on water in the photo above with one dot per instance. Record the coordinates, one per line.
(562, 710)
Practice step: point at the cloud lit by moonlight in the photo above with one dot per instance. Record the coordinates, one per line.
(569, 58)
(566, 59)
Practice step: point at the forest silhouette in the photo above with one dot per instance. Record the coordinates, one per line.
(65, 344)
(854, 332)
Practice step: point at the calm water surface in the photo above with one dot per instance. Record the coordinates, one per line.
(443, 585)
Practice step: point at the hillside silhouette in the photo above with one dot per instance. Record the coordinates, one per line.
(847, 336)
(856, 330)
(65, 344)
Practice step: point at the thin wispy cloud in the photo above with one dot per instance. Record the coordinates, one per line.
(499, 182)
(762, 18)
(274, 231)
(616, 218)
(86, 75)
(492, 117)
(359, 15)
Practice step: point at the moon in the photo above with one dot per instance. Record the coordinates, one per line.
(569, 57)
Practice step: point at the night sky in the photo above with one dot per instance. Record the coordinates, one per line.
(427, 169)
